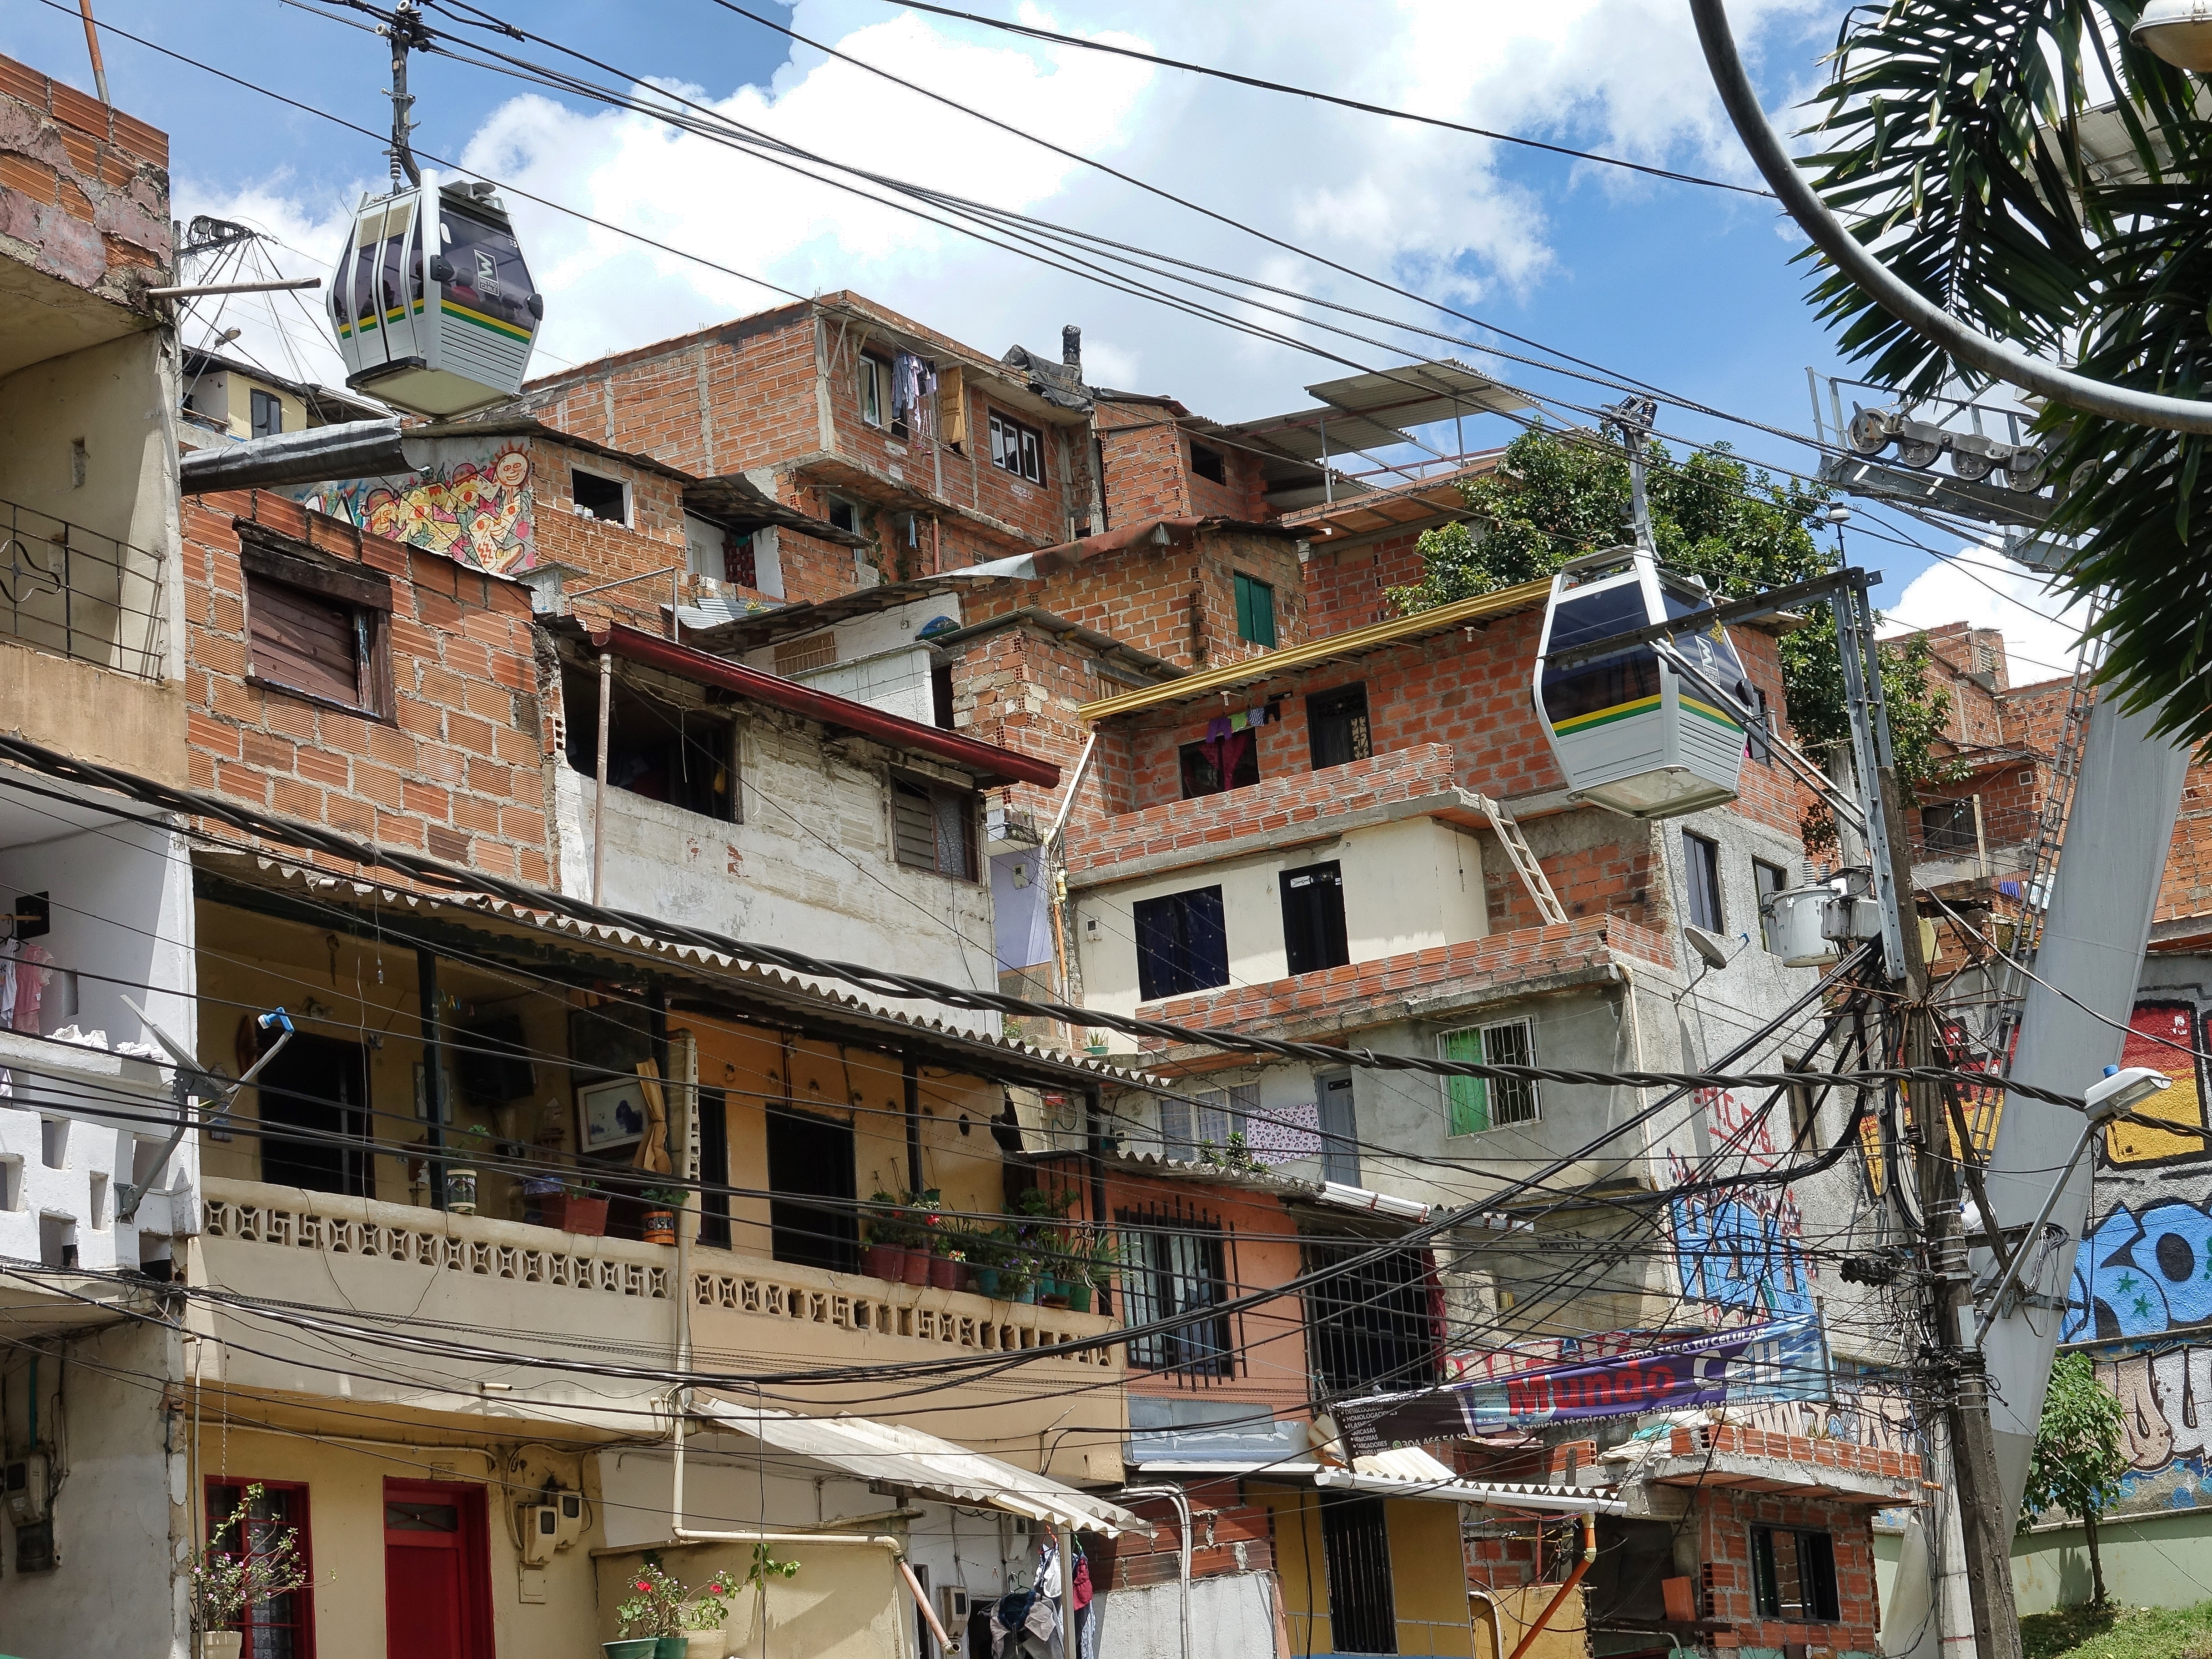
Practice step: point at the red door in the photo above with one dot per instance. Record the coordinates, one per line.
(437, 1571)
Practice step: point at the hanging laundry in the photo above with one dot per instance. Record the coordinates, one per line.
(32, 978)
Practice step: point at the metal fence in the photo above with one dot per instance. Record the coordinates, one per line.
(70, 590)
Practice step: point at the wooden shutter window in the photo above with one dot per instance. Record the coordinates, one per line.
(305, 641)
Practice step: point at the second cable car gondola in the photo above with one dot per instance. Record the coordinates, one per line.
(434, 308)
(1631, 731)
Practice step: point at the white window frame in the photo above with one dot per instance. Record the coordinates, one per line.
(1525, 1098)
(1016, 448)
(1217, 1114)
(875, 396)
(583, 512)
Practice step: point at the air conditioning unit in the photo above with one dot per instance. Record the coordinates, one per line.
(540, 1526)
(26, 1485)
(952, 1608)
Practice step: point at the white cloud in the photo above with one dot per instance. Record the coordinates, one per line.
(2041, 628)
(1423, 207)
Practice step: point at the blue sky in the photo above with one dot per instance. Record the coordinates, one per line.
(1690, 288)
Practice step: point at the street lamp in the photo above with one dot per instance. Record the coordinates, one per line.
(2179, 31)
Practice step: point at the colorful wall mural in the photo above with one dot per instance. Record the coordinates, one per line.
(1740, 1250)
(474, 503)
(2142, 1275)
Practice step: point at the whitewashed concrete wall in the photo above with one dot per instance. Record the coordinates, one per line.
(810, 867)
(1230, 1618)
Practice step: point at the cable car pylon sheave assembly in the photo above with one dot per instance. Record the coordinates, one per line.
(432, 302)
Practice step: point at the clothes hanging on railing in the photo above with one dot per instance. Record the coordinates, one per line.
(914, 387)
(1026, 1623)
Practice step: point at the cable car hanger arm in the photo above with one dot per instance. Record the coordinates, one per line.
(1696, 621)
(1833, 237)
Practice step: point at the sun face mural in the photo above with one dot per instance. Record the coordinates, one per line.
(474, 505)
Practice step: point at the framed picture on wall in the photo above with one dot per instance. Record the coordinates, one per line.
(610, 1114)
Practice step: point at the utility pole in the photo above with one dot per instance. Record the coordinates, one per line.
(1972, 1443)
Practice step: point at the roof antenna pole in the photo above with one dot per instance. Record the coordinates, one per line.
(405, 31)
(1633, 417)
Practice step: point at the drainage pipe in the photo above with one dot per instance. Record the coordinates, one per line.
(1180, 1500)
(1496, 1620)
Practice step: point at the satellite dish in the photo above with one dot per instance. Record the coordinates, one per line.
(1708, 944)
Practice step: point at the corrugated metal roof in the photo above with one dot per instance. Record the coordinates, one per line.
(792, 987)
(906, 1457)
(1248, 670)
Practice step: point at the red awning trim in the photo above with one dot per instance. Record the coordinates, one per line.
(990, 764)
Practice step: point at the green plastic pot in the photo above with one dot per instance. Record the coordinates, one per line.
(641, 1647)
(672, 1647)
(1079, 1295)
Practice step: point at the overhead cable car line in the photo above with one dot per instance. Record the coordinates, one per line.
(1567, 151)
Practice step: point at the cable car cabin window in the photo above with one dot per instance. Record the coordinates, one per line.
(1313, 918)
(1793, 1575)
(1701, 872)
(318, 633)
(1255, 611)
(875, 383)
(1017, 448)
(1336, 727)
(1213, 765)
(268, 414)
(1208, 464)
(597, 496)
(933, 827)
(379, 249)
(489, 284)
(1474, 1104)
(1611, 687)
(684, 757)
(1947, 826)
(1181, 943)
(1707, 649)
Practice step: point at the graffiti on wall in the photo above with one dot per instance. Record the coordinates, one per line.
(1741, 1250)
(474, 505)
(2144, 1267)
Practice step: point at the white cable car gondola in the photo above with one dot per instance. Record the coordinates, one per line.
(1631, 731)
(434, 308)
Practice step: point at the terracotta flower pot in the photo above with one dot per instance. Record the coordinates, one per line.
(914, 1270)
(883, 1261)
(945, 1272)
(571, 1213)
(659, 1226)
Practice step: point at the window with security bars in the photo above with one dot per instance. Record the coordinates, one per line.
(1793, 1575)
(1187, 1129)
(1475, 1103)
(283, 1627)
(933, 827)
(1947, 826)
(1375, 1325)
(1174, 1263)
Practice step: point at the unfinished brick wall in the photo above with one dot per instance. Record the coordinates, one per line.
(84, 189)
(1019, 688)
(456, 772)
(1145, 462)
(1346, 587)
(1227, 1535)
(1725, 1519)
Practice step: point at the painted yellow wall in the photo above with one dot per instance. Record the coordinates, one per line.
(345, 1520)
(847, 1600)
(227, 396)
(1428, 1573)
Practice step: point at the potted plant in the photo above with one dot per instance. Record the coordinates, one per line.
(885, 1257)
(579, 1207)
(1097, 1256)
(986, 1254)
(658, 1222)
(651, 1616)
(920, 1211)
(224, 1585)
(704, 1615)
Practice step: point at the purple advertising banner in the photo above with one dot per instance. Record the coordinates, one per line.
(1780, 1360)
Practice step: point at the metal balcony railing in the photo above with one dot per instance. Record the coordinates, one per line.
(70, 590)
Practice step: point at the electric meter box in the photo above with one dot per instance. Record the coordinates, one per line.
(570, 1526)
(540, 1527)
(27, 1484)
(1797, 924)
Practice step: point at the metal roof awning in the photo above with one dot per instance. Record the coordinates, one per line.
(886, 1452)
(1406, 1471)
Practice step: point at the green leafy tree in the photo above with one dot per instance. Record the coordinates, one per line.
(1963, 140)
(2079, 1458)
(1556, 496)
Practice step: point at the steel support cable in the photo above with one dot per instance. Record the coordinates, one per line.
(1851, 257)
(464, 883)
